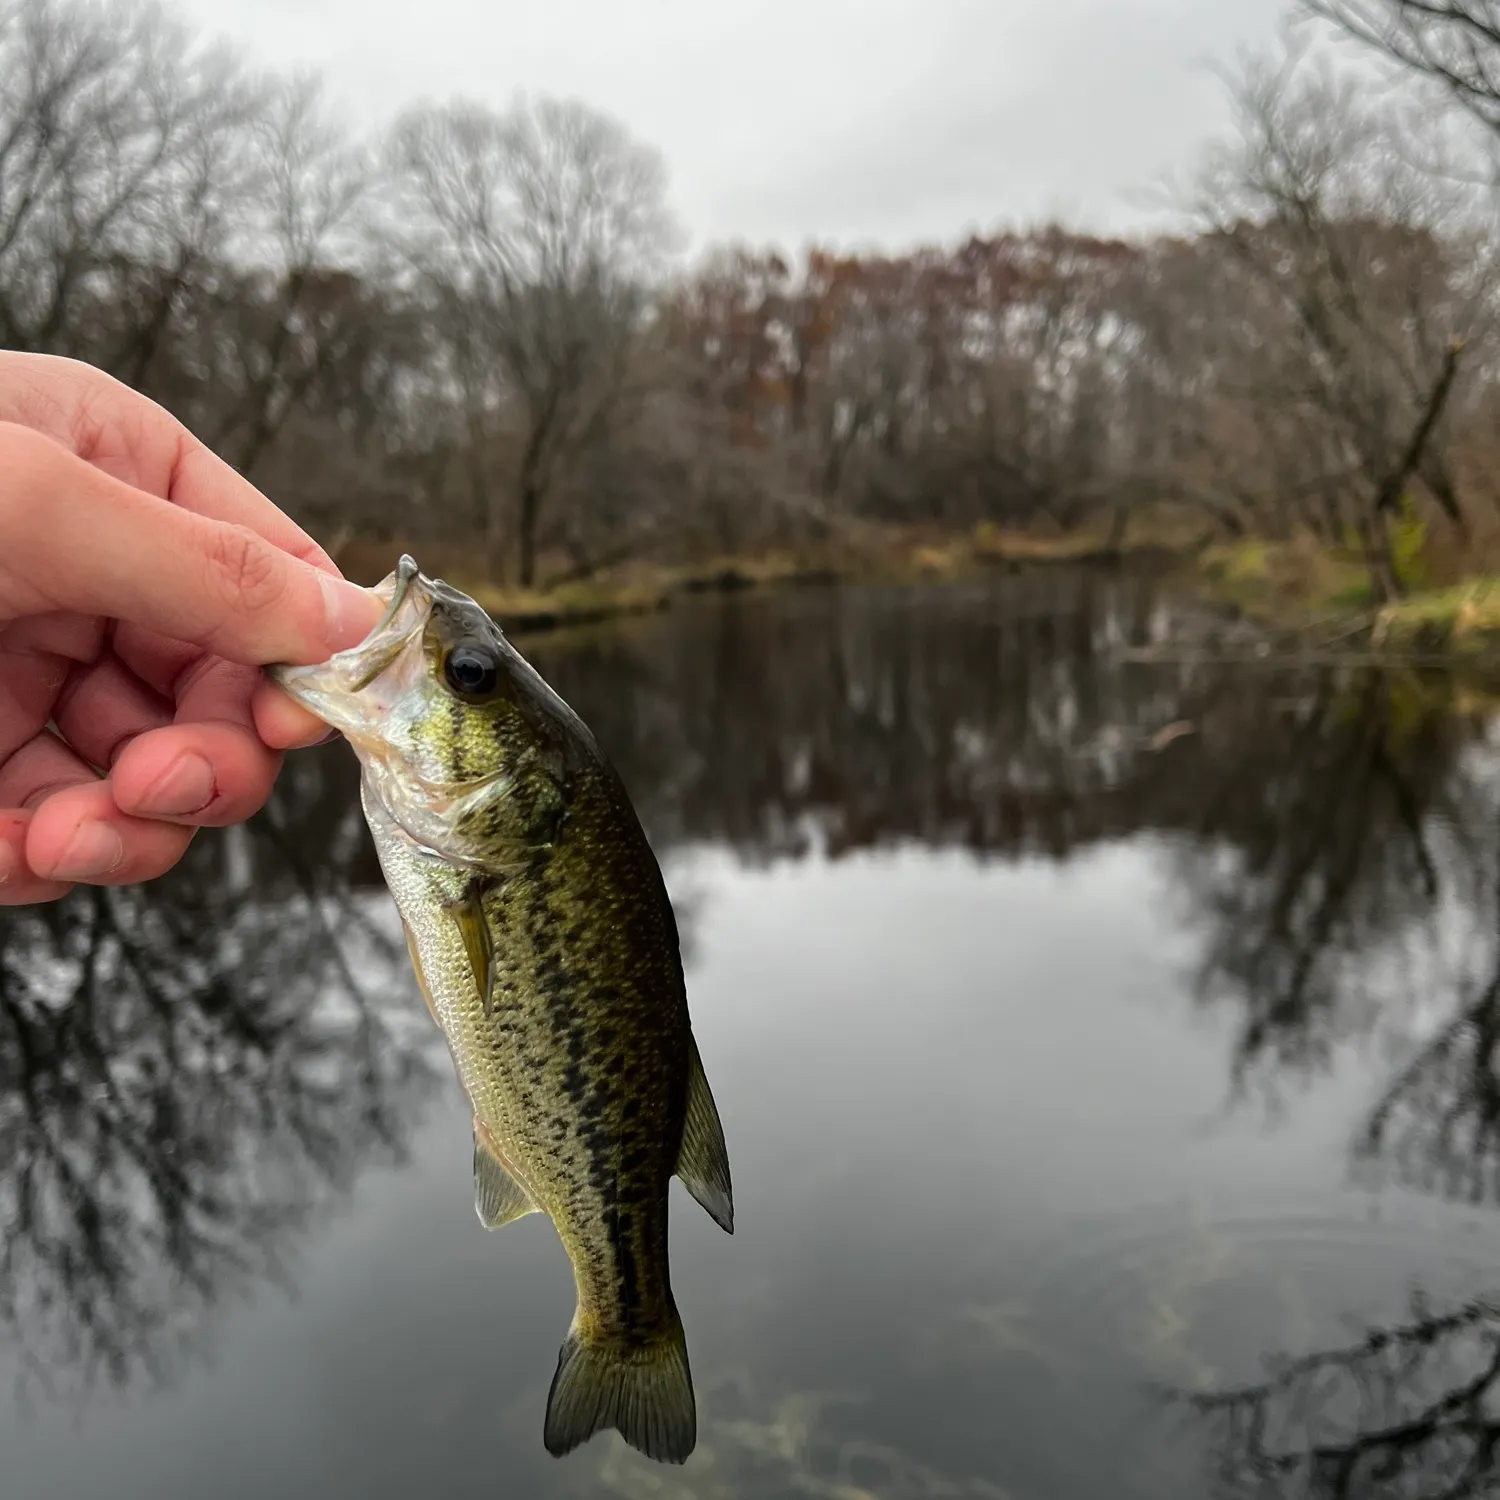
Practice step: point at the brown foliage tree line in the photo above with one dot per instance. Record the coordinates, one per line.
(472, 333)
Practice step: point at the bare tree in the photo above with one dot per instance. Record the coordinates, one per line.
(1454, 42)
(536, 234)
(119, 160)
(299, 305)
(1359, 275)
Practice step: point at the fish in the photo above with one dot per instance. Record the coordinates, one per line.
(544, 943)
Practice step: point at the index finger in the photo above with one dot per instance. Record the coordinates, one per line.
(222, 587)
(200, 481)
(130, 437)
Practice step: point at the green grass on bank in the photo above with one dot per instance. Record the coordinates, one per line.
(1280, 582)
(1302, 587)
(1464, 618)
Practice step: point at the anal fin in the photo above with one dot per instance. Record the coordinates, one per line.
(498, 1198)
(703, 1158)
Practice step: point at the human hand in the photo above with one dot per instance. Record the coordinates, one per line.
(143, 583)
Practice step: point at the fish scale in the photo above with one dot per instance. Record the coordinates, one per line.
(543, 938)
(541, 1049)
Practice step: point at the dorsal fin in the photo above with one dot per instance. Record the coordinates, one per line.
(703, 1159)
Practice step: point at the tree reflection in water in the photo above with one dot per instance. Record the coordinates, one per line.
(1333, 840)
(1411, 1410)
(1344, 871)
(189, 1070)
(1337, 831)
(1000, 721)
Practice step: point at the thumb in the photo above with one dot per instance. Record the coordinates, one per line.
(73, 537)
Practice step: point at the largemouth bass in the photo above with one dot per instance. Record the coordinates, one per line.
(544, 942)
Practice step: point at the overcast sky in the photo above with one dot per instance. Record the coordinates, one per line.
(853, 121)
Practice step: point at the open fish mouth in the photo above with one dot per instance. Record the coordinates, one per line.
(345, 691)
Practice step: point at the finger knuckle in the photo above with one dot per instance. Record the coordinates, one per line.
(245, 569)
(26, 458)
(31, 472)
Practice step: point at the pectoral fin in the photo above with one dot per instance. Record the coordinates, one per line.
(475, 931)
(703, 1159)
(416, 968)
(498, 1197)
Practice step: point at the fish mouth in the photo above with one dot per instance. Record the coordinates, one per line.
(338, 690)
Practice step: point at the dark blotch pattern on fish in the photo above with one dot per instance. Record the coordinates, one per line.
(578, 1068)
(587, 950)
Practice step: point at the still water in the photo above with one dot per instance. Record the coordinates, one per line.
(1106, 1051)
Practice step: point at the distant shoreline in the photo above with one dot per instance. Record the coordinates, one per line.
(1316, 605)
(892, 558)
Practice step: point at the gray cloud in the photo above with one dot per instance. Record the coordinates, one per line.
(784, 120)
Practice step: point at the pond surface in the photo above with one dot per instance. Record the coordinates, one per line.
(1106, 1051)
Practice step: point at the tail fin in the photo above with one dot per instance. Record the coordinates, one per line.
(643, 1391)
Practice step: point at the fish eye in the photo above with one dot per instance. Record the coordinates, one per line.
(472, 669)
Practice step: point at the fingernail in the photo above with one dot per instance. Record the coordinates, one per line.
(186, 786)
(96, 850)
(351, 611)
